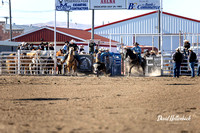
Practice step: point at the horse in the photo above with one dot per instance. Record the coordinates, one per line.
(11, 63)
(133, 60)
(71, 62)
(42, 62)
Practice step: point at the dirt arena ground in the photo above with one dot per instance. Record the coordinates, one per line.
(63, 104)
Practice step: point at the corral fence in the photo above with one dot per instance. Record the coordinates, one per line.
(167, 43)
(43, 63)
(27, 62)
(154, 65)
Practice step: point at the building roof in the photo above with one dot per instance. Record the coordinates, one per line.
(142, 16)
(85, 35)
(63, 34)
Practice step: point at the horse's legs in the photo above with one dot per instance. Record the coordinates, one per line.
(143, 68)
(129, 73)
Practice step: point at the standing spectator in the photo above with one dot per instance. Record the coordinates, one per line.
(178, 58)
(147, 54)
(81, 50)
(91, 47)
(31, 47)
(96, 49)
(192, 61)
(46, 46)
(152, 53)
(41, 46)
(186, 47)
(51, 46)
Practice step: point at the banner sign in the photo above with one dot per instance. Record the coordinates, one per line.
(107, 4)
(143, 4)
(72, 5)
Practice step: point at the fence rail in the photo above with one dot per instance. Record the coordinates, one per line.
(42, 63)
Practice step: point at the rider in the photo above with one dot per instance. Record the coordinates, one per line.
(137, 51)
(72, 44)
(98, 56)
(65, 47)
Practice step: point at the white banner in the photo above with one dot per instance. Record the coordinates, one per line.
(107, 4)
(71, 5)
(143, 4)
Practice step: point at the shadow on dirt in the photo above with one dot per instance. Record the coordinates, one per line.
(179, 84)
(42, 99)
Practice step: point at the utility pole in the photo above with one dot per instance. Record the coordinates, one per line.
(92, 33)
(67, 19)
(10, 23)
(10, 20)
(159, 48)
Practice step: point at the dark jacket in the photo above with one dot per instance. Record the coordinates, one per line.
(178, 57)
(192, 57)
(74, 46)
(187, 45)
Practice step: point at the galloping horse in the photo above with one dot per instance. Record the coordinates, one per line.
(71, 62)
(133, 60)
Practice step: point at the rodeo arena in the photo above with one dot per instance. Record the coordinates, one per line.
(135, 75)
(34, 52)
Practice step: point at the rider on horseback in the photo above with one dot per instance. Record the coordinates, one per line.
(72, 44)
(137, 50)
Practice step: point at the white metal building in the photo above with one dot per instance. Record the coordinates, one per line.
(144, 29)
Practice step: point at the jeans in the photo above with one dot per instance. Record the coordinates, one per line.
(177, 66)
(184, 51)
(140, 58)
(198, 70)
(192, 69)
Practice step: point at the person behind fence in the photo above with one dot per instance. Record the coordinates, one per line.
(147, 54)
(91, 47)
(192, 60)
(81, 50)
(152, 53)
(186, 47)
(137, 51)
(178, 58)
(96, 49)
(65, 47)
(51, 46)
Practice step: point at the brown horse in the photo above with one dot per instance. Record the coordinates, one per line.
(11, 63)
(71, 62)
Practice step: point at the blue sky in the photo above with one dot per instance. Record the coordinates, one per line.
(42, 11)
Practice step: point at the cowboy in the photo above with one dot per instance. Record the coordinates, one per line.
(81, 50)
(192, 60)
(186, 47)
(137, 50)
(65, 47)
(178, 58)
(98, 56)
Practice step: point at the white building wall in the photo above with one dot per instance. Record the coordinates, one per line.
(126, 30)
